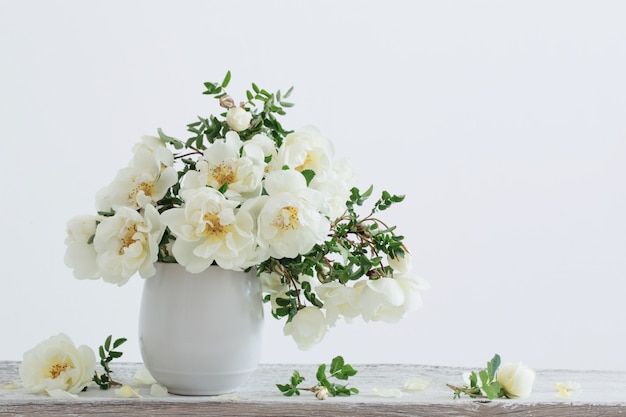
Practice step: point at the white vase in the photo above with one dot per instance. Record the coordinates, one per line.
(200, 334)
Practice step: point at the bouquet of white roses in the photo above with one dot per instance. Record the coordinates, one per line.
(242, 192)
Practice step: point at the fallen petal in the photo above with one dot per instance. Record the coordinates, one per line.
(388, 392)
(126, 392)
(415, 384)
(12, 385)
(567, 389)
(144, 376)
(158, 390)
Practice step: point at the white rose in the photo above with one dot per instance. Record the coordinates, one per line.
(381, 300)
(145, 181)
(156, 147)
(304, 149)
(289, 222)
(80, 254)
(127, 242)
(238, 118)
(338, 300)
(307, 327)
(211, 228)
(265, 143)
(516, 379)
(56, 364)
(229, 161)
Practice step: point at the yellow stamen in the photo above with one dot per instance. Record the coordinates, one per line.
(129, 238)
(57, 368)
(306, 162)
(213, 225)
(223, 174)
(287, 218)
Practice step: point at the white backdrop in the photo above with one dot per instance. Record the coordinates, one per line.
(502, 121)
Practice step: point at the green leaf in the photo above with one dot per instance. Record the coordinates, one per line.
(288, 93)
(283, 302)
(308, 175)
(107, 343)
(118, 342)
(492, 390)
(346, 372)
(493, 365)
(296, 378)
(114, 354)
(212, 88)
(336, 364)
(321, 373)
(101, 352)
(168, 139)
(226, 80)
(484, 377)
(473, 378)
(283, 388)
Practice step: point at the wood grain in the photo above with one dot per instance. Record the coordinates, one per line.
(603, 394)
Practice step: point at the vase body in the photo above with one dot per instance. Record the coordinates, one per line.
(201, 334)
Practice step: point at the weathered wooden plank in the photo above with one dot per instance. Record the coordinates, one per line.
(602, 394)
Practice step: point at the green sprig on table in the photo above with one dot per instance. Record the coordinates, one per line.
(107, 354)
(338, 370)
(488, 387)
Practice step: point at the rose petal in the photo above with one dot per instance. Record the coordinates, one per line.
(144, 376)
(388, 392)
(567, 389)
(158, 390)
(126, 392)
(415, 384)
(12, 385)
(59, 394)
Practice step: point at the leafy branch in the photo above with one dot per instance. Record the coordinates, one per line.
(488, 387)
(355, 248)
(324, 387)
(107, 354)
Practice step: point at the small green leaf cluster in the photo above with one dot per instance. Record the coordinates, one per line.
(338, 370)
(262, 105)
(107, 354)
(488, 387)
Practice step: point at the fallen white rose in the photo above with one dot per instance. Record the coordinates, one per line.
(56, 364)
(516, 379)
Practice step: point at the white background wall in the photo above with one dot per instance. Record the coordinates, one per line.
(502, 121)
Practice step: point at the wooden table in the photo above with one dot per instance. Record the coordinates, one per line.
(602, 394)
